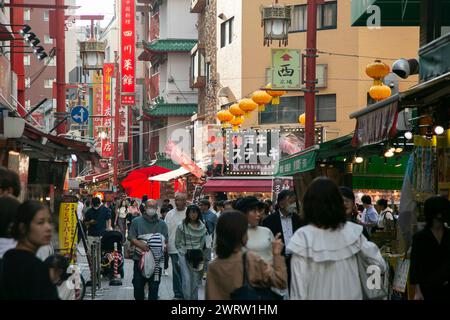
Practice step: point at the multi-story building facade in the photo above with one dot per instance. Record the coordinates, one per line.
(170, 100)
(244, 64)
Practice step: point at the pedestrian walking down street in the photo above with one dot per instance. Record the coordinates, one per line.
(369, 215)
(351, 210)
(226, 272)
(173, 219)
(285, 222)
(210, 220)
(259, 238)
(143, 231)
(9, 183)
(97, 220)
(227, 205)
(162, 215)
(190, 243)
(325, 253)
(430, 253)
(8, 209)
(133, 212)
(22, 275)
(121, 217)
(385, 217)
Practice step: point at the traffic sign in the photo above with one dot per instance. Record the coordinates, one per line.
(79, 114)
(286, 69)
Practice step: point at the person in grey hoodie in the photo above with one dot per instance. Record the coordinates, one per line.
(190, 243)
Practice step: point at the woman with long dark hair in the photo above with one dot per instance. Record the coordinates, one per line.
(226, 272)
(190, 242)
(24, 276)
(430, 254)
(351, 210)
(325, 253)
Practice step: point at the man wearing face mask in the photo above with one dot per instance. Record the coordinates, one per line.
(142, 227)
(97, 220)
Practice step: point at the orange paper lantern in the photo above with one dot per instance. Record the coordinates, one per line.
(380, 92)
(236, 122)
(236, 111)
(262, 98)
(377, 69)
(247, 105)
(224, 117)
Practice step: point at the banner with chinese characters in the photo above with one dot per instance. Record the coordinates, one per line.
(123, 124)
(67, 226)
(286, 68)
(253, 152)
(128, 41)
(107, 146)
(97, 103)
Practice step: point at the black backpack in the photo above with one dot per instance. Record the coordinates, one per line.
(247, 292)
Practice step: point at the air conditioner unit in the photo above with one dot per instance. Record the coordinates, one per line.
(11, 127)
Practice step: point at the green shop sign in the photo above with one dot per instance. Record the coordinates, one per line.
(378, 183)
(301, 163)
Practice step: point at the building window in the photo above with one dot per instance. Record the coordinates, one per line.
(48, 83)
(27, 14)
(208, 72)
(26, 60)
(198, 66)
(226, 32)
(47, 39)
(326, 17)
(291, 107)
(27, 82)
(46, 15)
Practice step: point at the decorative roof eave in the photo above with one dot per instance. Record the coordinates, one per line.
(171, 110)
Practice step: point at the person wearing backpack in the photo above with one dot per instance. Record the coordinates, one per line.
(149, 235)
(190, 243)
(238, 275)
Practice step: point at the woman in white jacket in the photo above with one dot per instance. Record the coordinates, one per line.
(325, 252)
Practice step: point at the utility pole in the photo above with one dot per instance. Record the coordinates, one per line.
(116, 121)
(60, 64)
(311, 55)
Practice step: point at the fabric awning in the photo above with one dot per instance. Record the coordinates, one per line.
(302, 161)
(170, 175)
(377, 123)
(238, 185)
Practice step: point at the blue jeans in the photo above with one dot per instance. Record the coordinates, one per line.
(176, 276)
(139, 285)
(191, 279)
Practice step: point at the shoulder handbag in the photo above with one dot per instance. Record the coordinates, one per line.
(372, 289)
(248, 292)
(193, 256)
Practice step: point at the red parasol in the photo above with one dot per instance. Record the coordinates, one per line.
(136, 184)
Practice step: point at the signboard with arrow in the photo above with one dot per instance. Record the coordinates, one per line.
(79, 114)
(286, 69)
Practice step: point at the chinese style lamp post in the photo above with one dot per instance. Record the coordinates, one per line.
(276, 20)
(377, 70)
(92, 54)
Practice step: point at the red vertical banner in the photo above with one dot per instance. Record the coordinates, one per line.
(128, 45)
(107, 145)
(97, 103)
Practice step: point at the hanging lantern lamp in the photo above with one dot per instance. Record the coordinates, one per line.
(224, 116)
(262, 98)
(276, 94)
(236, 111)
(236, 122)
(247, 105)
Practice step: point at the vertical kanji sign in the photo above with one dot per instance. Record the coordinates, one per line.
(128, 41)
(97, 103)
(107, 146)
(286, 69)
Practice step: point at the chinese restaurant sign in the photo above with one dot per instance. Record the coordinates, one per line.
(128, 38)
(97, 102)
(253, 152)
(286, 69)
(300, 163)
(107, 146)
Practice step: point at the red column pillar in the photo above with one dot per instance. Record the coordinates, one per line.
(60, 65)
(17, 64)
(310, 95)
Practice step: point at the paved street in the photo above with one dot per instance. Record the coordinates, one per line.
(125, 291)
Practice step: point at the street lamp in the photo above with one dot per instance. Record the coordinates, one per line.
(276, 20)
(92, 54)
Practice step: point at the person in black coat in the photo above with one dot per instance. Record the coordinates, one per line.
(283, 221)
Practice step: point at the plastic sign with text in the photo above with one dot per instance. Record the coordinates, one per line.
(107, 145)
(128, 59)
(286, 67)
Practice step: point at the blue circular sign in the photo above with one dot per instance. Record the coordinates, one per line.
(80, 114)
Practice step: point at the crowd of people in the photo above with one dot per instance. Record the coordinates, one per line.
(243, 249)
